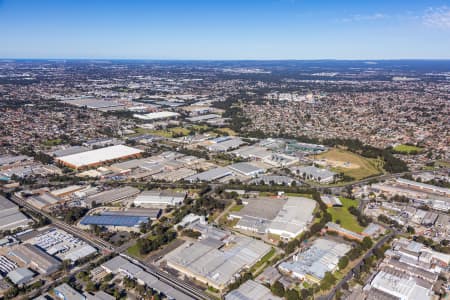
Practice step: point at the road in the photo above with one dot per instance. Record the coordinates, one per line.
(355, 269)
(105, 246)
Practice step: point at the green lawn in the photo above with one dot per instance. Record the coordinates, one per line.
(237, 208)
(348, 221)
(134, 251)
(407, 149)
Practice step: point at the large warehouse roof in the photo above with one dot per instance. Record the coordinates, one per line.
(114, 220)
(97, 156)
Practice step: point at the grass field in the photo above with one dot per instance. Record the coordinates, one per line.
(134, 251)
(168, 133)
(407, 149)
(360, 166)
(237, 208)
(348, 221)
(227, 130)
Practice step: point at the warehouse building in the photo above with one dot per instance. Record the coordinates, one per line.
(323, 256)
(10, 216)
(114, 222)
(225, 143)
(400, 285)
(36, 259)
(210, 175)
(216, 262)
(160, 115)
(113, 195)
(286, 218)
(246, 169)
(66, 292)
(274, 180)
(251, 290)
(21, 276)
(121, 265)
(313, 173)
(98, 157)
(160, 198)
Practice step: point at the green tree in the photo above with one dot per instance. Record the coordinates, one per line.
(343, 262)
(367, 242)
(278, 289)
(292, 295)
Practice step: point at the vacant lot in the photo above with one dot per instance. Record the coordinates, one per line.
(349, 163)
(347, 220)
(407, 149)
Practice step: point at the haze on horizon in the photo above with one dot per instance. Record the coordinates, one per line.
(200, 29)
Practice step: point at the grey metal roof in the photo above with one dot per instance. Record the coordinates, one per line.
(245, 168)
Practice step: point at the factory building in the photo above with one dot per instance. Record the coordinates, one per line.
(216, 262)
(251, 290)
(36, 259)
(10, 216)
(246, 169)
(98, 157)
(286, 218)
(160, 198)
(323, 256)
(313, 173)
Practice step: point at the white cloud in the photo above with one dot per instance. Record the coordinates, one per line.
(437, 17)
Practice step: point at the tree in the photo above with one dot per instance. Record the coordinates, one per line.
(292, 295)
(343, 262)
(90, 286)
(410, 230)
(367, 242)
(278, 289)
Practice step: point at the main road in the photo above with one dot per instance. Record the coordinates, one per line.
(171, 280)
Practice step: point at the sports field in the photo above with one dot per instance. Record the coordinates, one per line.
(349, 163)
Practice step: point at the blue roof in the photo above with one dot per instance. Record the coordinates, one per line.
(104, 220)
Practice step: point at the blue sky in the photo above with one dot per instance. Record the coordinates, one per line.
(225, 29)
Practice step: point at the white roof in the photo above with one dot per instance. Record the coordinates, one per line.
(157, 115)
(99, 155)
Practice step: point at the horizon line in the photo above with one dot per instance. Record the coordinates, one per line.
(230, 59)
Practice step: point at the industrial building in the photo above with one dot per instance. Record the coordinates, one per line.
(251, 290)
(214, 261)
(160, 198)
(323, 256)
(63, 245)
(10, 216)
(114, 222)
(66, 292)
(113, 195)
(286, 218)
(98, 156)
(246, 169)
(20, 276)
(400, 285)
(428, 188)
(121, 265)
(36, 259)
(317, 174)
(210, 175)
(274, 180)
(225, 143)
(160, 115)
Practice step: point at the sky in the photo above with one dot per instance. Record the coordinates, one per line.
(225, 29)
